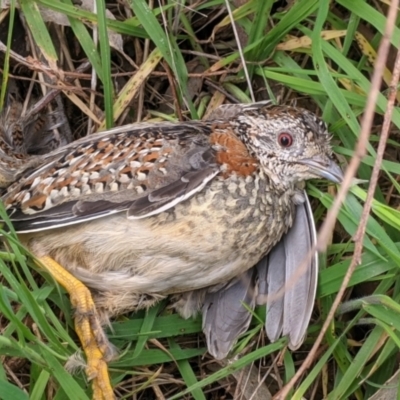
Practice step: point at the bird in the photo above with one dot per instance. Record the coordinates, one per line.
(126, 217)
(24, 136)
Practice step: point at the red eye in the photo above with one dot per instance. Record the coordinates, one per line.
(285, 139)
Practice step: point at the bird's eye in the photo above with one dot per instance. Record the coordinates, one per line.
(285, 139)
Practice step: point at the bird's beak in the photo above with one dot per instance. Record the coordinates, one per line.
(325, 168)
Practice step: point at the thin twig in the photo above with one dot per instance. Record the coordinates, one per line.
(51, 94)
(93, 80)
(146, 51)
(14, 378)
(177, 105)
(212, 84)
(240, 50)
(359, 153)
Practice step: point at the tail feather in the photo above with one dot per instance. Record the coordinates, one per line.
(224, 316)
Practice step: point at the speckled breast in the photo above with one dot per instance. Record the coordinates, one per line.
(210, 238)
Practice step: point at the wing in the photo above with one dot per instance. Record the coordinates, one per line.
(142, 169)
(290, 285)
(224, 316)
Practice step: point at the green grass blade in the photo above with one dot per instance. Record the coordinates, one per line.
(105, 62)
(39, 31)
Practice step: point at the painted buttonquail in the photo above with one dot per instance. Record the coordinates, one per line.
(149, 210)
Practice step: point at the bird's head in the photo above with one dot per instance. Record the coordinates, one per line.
(292, 144)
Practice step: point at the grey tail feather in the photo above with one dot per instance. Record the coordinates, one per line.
(300, 302)
(274, 290)
(289, 312)
(224, 316)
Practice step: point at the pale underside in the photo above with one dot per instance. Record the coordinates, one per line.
(224, 235)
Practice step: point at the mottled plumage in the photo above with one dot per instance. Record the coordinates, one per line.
(23, 136)
(144, 211)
